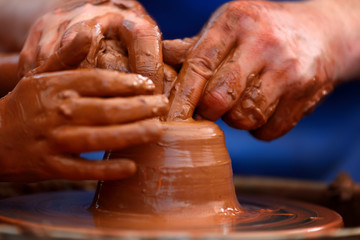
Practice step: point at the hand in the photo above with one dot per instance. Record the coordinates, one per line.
(74, 36)
(262, 66)
(49, 119)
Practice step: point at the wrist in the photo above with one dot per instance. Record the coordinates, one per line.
(342, 35)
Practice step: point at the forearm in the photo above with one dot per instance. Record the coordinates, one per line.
(343, 32)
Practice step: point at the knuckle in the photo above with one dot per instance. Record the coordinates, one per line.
(65, 110)
(244, 11)
(202, 66)
(215, 99)
(292, 68)
(246, 115)
(270, 40)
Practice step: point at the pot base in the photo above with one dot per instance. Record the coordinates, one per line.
(69, 212)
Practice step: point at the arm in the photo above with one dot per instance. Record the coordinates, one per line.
(340, 30)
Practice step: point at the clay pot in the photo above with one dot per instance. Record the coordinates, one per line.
(187, 174)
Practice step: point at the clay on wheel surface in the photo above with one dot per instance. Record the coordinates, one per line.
(186, 174)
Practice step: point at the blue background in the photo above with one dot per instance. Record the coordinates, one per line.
(320, 146)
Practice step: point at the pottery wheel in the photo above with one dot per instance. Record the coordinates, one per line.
(69, 211)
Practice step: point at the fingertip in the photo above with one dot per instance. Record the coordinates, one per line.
(122, 168)
(150, 131)
(153, 128)
(145, 52)
(159, 105)
(138, 83)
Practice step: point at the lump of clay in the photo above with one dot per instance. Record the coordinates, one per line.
(186, 175)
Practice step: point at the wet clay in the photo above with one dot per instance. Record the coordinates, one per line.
(262, 218)
(187, 175)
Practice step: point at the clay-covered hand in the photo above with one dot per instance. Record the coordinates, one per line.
(261, 65)
(73, 36)
(49, 119)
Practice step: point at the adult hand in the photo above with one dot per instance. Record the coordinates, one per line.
(67, 37)
(262, 66)
(49, 119)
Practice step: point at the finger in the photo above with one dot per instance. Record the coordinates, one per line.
(199, 66)
(80, 169)
(67, 57)
(175, 51)
(283, 119)
(258, 101)
(97, 111)
(291, 108)
(145, 53)
(170, 76)
(143, 41)
(98, 82)
(28, 54)
(87, 139)
(226, 86)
